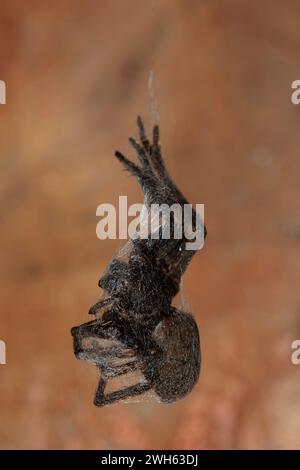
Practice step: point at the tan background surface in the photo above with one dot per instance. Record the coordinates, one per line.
(77, 74)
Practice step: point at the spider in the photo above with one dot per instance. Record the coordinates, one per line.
(136, 328)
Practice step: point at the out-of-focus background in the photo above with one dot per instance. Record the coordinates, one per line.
(76, 74)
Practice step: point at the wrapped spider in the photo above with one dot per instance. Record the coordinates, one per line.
(136, 328)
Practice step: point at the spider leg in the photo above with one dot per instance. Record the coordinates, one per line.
(152, 176)
(159, 165)
(146, 178)
(100, 343)
(156, 157)
(113, 369)
(130, 166)
(151, 150)
(115, 275)
(150, 158)
(142, 156)
(100, 389)
(114, 265)
(100, 304)
(101, 399)
(141, 130)
(121, 369)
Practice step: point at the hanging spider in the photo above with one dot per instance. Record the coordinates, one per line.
(136, 328)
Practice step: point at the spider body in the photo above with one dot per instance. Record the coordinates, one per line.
(136, 328)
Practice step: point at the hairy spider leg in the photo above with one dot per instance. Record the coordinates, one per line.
(141, 131)
(100, 304)
(108, 280)
(101, 399)
(157, 185)
(152, 174)
(117, 370)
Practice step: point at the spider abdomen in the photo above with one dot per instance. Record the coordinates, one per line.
(179, 367)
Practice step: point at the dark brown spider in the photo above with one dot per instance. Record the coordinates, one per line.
(136, 328)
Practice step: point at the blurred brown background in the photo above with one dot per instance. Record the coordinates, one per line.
(76, 74)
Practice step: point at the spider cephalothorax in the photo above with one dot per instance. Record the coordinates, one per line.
(136, 328)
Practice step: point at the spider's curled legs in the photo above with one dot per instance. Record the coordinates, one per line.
(159, 189)
(152, 150)
(152, 175)
(101, 342)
